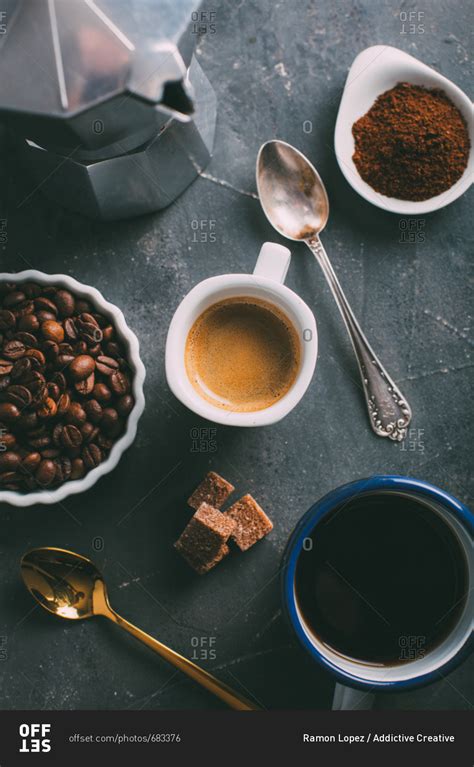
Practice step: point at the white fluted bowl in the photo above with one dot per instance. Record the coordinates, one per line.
(130, 342)
(373, 72)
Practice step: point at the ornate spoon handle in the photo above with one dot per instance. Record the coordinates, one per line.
(389, 411)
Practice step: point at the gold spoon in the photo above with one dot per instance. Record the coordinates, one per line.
(70, 586)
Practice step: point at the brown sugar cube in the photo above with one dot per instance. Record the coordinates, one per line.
(202, 542)
(213, 490)
(252, 523)
(203, 566)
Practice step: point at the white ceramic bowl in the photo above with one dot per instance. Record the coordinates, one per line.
(131, 344)
(374, 71)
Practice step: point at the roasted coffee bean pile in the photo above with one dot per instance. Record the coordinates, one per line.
(64, 387)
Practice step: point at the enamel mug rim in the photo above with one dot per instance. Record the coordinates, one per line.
(349, 676)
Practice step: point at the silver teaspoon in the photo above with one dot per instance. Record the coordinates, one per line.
(295, 202)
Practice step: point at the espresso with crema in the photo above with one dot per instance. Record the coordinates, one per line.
(242, 354)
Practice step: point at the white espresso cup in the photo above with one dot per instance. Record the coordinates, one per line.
(266, 283)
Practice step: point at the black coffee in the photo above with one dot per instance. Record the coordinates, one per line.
(382, 580)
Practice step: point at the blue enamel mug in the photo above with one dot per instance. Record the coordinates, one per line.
(424, 667)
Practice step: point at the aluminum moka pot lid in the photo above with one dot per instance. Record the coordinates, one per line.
(60, 59)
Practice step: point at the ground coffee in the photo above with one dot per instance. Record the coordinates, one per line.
(412, 144)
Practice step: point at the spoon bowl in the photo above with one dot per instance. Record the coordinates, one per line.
(291, 191)
(66, 584)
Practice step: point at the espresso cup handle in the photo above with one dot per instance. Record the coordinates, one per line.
(273, 262)
(349, 699)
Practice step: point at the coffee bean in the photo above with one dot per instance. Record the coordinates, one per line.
(92, 456)
(86, 386)
(24, 309)
(89, 432)
(4, 382)
(45, 472)
(27, 339)
(106, 365)
(36, 354)
(7, 320)
(39, 443)
(95, 350)
(108, 333)
(47, 409)
(13, 350)
(36, 383)
(66, 360)
(9, 461)
(70, 329)
(106, 443)
(119, 383)
(81, 367)
(75, 414)
(6, 367)
(45, 304)
(19, 395)
(51, 350)
(45, 316)
(66, 348)
(93, 410)
(78, 469)
(113, 349)
(63, 468)
(125, 405)
(9, 480)
(64, 403)
(8, 412)
(60, 380)
(53, 331)
(20, 369)
(71, 437)
(13, 299)
(101, 392)
(82, 306)
(50, 452)
(53, 391)
(31, 462)
(29, 323)
(65, 303)
(110, 420)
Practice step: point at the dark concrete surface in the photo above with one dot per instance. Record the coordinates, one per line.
(278, 69)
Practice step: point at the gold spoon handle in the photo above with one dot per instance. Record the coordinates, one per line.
(221, 690)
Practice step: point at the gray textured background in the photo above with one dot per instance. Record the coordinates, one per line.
(274, 65)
